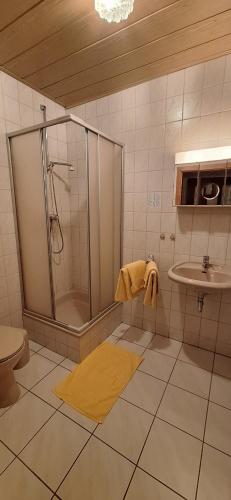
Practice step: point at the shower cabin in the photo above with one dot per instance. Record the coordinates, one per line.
(67, 185)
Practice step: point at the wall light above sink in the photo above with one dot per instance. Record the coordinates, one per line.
(202, 155)
(203, 177)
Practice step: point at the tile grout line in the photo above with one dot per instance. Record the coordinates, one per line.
(17, 456)
(69, 470)
(175, 426)
(92, 433)
(159, 481)
(202, 448)
(32, 387)
(145, 441)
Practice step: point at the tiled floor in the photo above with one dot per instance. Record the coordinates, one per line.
(168, 436)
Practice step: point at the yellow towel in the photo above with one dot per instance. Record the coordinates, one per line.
(151, 279)
(94, 386)
(131, 281)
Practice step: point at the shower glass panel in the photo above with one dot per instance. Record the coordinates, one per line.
(68, 216)
(109, 214)
(67, 180)
(28, 178)
(105, 171)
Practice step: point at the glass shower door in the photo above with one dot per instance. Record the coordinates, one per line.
(105, 178)
(30, 204)
(68, 213)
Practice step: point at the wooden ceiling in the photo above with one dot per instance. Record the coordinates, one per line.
(65, 51)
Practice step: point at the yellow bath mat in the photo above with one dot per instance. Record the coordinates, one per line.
(94, 386)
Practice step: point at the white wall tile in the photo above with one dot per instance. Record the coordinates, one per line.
(192, 104)
(158, 88)
(194, 78)
(175, 85)
(174, 108)
(155, 121)
(214, 72)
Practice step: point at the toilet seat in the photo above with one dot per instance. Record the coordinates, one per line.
(11, 342)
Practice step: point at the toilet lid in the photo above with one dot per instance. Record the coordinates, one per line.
(11, 341)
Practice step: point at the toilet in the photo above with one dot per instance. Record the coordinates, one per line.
(14, 354)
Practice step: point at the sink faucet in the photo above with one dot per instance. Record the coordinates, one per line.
(205, 264)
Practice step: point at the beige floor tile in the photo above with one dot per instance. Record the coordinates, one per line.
(68, 364)
(53, 356)
(99, 473)
(222, 365)
(146, 487)
(197, 357)
(23, 420)
(130, 346)
(218, 428)
(215, 475)
(191, 378)
(34, 346)
(44, 388)
(22, 392)
(173, 457)
(184, 410)
(125, 429)
(18, 483)
(64, 440)
(34, 371)
(138, 336)
(165, 345)
(158, 365)
(144, 391)
(221, 391)
(120, 330)
(85, 422)
(6, 457)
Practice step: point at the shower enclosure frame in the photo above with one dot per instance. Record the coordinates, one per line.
(42, 127)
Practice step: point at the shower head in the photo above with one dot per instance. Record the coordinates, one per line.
(63, 163)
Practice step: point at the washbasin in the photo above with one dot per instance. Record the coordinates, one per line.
(214, 278)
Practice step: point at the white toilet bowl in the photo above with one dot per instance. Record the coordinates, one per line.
(14, 354)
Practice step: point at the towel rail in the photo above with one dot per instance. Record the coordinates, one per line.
(150, 258)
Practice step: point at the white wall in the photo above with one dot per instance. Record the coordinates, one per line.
(19, 107)
(190, 109)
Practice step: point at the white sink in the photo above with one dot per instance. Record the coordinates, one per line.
(190, 274)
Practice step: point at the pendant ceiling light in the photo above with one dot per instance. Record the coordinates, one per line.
(114, 10)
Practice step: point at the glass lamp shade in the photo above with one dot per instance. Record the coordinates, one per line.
(114, 10)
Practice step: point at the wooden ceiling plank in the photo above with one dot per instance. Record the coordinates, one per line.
(15, 9)
(176, 42)
(39, 23)
(171, 19)
(196, 55)
(79, 34)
